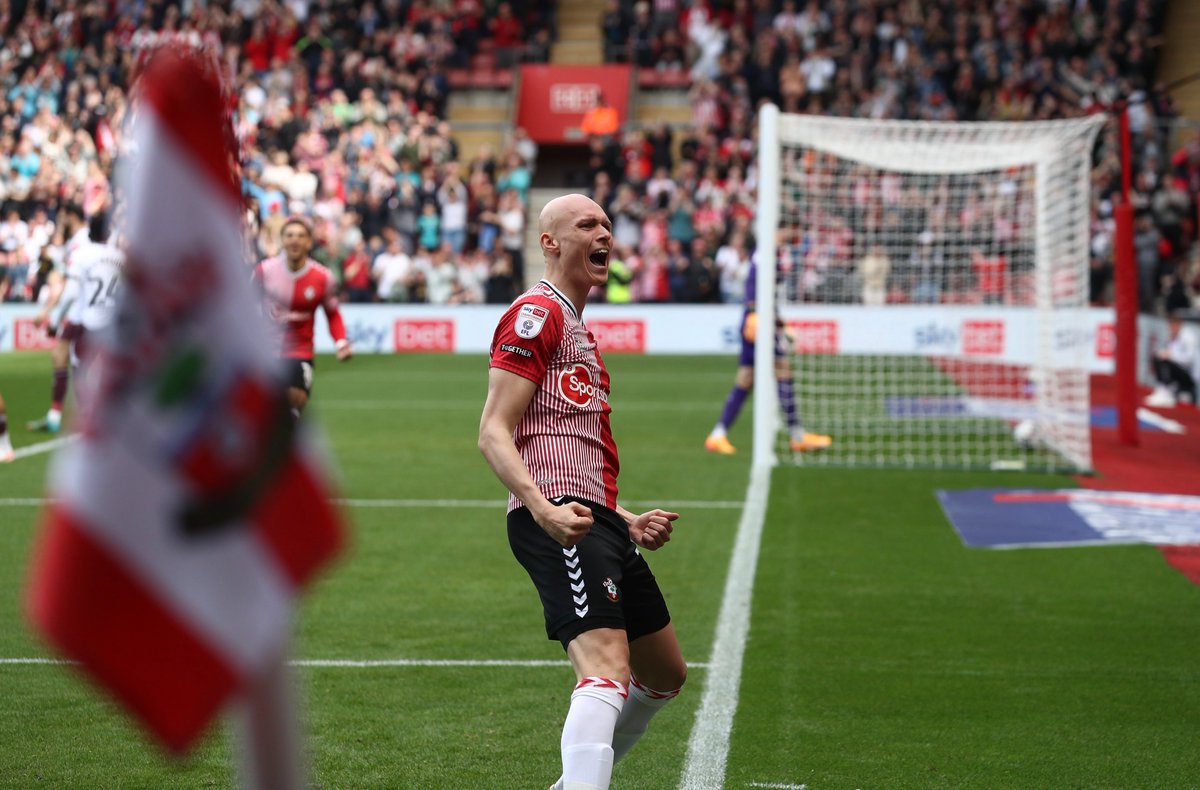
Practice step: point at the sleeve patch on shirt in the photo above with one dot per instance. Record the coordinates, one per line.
(530, 320)
(516, 350)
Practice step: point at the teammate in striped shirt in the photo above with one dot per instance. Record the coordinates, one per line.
(545, 432)
(295, 286)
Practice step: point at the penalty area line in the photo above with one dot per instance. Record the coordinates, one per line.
(708, 746)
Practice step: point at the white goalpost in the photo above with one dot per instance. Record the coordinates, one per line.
(932, 279)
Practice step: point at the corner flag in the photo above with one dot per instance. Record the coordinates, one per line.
(188, 516)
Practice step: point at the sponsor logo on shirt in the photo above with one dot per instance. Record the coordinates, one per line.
(516, 350)
(424, 335)
(575, 384)
(530, 320)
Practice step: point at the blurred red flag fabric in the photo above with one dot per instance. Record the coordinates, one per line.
(191, 511)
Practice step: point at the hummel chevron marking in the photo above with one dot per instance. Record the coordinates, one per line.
(573, 563)
(580, 599)
(576, 574)
(570, 552)
(577, 587)
(581, 612)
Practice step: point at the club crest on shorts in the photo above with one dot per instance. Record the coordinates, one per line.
(611, 590)
(530, 320)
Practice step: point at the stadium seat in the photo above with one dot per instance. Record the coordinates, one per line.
(483, 78)
(502, 79)
(458, 78)
(647, 79)
(678, 78)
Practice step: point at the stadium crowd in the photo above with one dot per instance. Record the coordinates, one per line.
(341, 113)
(964, 60)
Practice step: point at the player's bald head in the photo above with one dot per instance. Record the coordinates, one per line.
(564, 206)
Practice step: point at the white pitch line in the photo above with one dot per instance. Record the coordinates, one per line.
(778, 785)
(345, 663)
(682, 504)
(43, 447)
(698, 504)
(708, 746)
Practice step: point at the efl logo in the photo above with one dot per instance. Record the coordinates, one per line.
(625, 336)
(983, 338)
(575, 384)
(815, 337)
(27, 337)
(431, 335)
(573, 98)
(1106, 341)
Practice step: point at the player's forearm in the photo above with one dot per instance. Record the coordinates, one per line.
(337, 326)
(502, 456)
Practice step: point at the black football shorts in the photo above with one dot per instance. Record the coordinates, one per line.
(600, 582)
(300, 374)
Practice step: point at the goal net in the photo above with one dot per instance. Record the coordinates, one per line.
(933, 281)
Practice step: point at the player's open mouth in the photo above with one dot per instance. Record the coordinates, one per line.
(599, 257)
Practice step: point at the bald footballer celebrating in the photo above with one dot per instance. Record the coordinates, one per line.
(545, 432)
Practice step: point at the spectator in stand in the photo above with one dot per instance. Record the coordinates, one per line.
(873, 271)
(453, 201)
(1176, 365)
(733, 265)
(393, 272)
(442, 276)
(356, 273)
(501, 287)
(512, 234)
(601, 119)
(508, 34)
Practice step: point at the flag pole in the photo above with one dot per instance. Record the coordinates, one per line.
(268, 728)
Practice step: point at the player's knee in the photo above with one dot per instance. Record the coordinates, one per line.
(674, 675)
(664, 676)
(745, 378)
(297, 398)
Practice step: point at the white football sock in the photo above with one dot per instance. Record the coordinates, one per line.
(641, 706)
(587, 753)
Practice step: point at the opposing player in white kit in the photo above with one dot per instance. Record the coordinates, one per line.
(98, 270)
(62, 290)
(7, 453)
(545, 432)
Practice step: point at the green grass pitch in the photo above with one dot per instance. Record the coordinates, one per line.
(881, 652)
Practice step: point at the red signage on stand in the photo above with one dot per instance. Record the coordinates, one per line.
(554, 99)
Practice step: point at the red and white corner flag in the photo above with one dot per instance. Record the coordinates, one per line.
(187, 517)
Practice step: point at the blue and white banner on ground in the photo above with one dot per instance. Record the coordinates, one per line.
(1005, 518)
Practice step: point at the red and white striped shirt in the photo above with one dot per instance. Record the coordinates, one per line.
(292, 299)
(564, 436)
